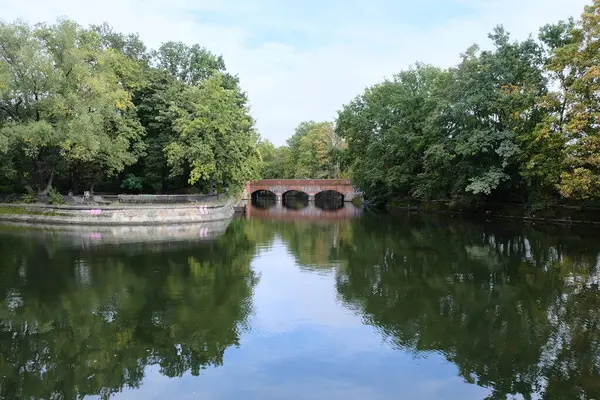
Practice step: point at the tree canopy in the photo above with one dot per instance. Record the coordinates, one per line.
(89, 106)
(515, 123)
(313, 151)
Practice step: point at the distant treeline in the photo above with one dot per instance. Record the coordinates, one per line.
(313, 151)
(89, 107)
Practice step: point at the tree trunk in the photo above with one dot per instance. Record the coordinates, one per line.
(48, 185)
(212, 185)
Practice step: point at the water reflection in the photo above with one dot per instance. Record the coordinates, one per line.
(465, 310)
(299, 210)
(151, 235)
(515, 308)
(79, 323)
(329, 200)
(264, 199)
(295, 200)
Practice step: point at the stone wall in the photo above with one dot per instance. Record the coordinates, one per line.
(167, 198)
(114, 215)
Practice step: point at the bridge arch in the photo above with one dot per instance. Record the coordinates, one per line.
(295, 199)
(263, 198)
(262, 191)
(295, 191)
(329, 199)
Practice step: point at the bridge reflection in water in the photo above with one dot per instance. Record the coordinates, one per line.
(297, 207)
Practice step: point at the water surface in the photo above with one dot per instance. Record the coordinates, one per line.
(273, 307)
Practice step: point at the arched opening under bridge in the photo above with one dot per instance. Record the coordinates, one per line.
(329, 200)
(263, 199)
(295, 199)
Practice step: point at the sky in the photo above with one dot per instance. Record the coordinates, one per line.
(301, 61)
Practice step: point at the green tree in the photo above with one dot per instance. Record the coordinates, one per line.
(63, 103)
(311, 152)
(391, 130)
(494, 101)
(216, 140)
(569, 135)
(157, 103)
(268, 155)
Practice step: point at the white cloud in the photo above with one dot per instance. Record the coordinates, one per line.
(340, 51)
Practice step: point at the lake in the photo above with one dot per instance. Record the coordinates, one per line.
(302, 303)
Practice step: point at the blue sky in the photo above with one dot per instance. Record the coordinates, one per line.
(303, 60)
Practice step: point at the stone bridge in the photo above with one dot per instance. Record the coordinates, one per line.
(311, 187)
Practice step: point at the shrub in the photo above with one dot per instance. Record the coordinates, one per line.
(29, 199)
(55, 197)
(132, 183)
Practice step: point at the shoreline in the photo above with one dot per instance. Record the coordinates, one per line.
(556, 215)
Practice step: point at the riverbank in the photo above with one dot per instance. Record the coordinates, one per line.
(113, 214)
(557, 214)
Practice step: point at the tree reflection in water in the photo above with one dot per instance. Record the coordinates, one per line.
(88, 323)
(517, 309)
(514, 307)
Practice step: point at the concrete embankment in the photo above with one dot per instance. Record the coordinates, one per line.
(114, 215)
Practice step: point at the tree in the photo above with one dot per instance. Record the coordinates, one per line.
(216, 139)
(63, 104)
(311, 152)
(494, 100)
(433, 133)
(391, 129)
(157, 103)
(268, 154)
(192, 65)
(572, 124)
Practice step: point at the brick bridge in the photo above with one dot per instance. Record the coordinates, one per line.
(311, 187)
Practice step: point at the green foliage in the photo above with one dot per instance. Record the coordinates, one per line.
(64, 102)
(516, 123)
(394, 141)
(29, 199)
(132, 183)
(55, 197)
(313, 151)
(216, 139)
(80, 106)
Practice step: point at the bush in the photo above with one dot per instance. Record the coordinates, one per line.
(29, 199)
(132, 183)
(55, 197)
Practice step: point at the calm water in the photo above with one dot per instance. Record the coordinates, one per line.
(284, 305)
